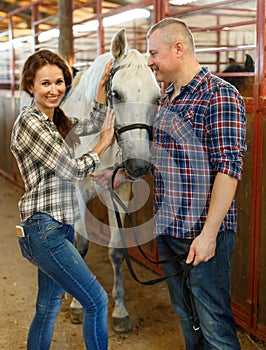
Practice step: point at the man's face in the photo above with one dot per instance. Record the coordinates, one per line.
(162, 58)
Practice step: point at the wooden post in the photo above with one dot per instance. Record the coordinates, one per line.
(65, 22)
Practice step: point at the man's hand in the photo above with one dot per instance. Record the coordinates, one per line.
(103, 178)
(202, 249)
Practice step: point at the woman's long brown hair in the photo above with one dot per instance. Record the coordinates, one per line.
(36, 61)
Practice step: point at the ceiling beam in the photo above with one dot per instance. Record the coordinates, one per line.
(7, 7)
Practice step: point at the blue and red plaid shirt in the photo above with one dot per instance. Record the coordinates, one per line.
(200, 133)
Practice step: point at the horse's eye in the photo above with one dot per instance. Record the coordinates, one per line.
(116, 95)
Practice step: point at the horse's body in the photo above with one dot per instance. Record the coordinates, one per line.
(134, 93)
(244, 84)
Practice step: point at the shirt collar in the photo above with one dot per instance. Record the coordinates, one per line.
(33, 109)
(193, 85)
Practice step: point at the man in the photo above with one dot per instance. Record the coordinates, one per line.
(198, 144)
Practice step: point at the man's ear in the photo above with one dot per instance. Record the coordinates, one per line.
(179, 47)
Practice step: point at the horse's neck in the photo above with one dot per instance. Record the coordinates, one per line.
(84, 89)
(76, 104)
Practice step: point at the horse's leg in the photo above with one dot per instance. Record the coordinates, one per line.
(120, 315)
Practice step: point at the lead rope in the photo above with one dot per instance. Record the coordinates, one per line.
(190, 305)
(184, 270)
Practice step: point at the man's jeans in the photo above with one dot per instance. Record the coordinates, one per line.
(210, 285)
(48, 244)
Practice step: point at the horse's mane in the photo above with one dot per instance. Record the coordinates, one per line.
(134, 59)
(75, 82)
(77, 78)
(91, 77)
(86, 82)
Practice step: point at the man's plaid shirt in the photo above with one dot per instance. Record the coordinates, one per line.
(201, 133)
(47, 164)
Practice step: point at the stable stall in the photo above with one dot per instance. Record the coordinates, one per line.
(223, 29)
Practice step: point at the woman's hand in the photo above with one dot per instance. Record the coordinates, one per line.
(102, 88)
(107, 129)
(107, 133)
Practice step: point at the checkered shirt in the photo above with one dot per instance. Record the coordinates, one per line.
(201, 133)
(48, 165)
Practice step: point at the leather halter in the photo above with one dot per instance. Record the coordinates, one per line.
(119, 131)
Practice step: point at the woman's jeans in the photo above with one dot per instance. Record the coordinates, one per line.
(210, 285)
(48, 244)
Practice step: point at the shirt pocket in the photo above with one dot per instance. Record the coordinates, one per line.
(182, 130)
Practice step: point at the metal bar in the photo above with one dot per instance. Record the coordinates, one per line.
(125, 8)
(101, 42)
(35, 26)
(25, 7)
(221, 26)
(46, 19)
(226, 48)
(258, 157)
(157, 4)
(200, 8)
(85, 4)
(4, 34)
(12, 56)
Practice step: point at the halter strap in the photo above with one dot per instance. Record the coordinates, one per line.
(109, 87)
(119, 131)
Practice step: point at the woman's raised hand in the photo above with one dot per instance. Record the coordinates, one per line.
(102, 88)
(107, 129)
(107, 133)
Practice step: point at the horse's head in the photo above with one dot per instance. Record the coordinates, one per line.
(133, 93)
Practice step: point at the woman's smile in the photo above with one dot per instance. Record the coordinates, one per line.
(48, 89)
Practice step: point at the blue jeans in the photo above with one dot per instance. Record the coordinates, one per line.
(210, 286)
(49, 245)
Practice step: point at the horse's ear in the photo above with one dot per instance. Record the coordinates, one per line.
(119, 44)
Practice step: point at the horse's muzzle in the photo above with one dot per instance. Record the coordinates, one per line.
(136, 168)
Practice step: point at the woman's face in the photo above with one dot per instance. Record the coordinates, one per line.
(48, 89)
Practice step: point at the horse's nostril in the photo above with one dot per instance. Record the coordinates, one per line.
(136, 168)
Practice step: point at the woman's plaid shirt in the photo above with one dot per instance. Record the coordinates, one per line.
(200, 133)
(47, 164)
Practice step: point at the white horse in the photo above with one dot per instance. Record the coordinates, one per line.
(133, 93)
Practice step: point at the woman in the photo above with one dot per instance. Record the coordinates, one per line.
(43, 140)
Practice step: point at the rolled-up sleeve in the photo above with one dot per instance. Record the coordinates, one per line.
(226, 125)
(92, 124)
